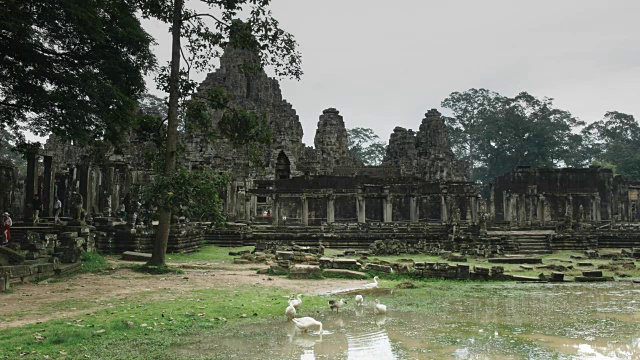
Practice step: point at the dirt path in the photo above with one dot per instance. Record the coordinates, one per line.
(85, 293)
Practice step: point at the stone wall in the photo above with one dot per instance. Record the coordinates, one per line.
(546, 196)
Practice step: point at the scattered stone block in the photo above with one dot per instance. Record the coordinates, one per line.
(135, 256)
(379, 268)
(592, 273)
(526, 278)
(593, 278)
(557, 277)
(515, 260)
(300, 271)
(278, 270)
(285, 255)
(584, 263)
(241, 261)
(349, 273)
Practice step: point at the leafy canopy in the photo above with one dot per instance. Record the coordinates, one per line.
(497, 133)
(366, 145)
(73, 68)
(613, 142)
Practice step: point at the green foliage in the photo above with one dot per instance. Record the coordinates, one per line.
(93, 262)
(366, 145)
(497, 133)
(73, 68)
(193, 194)
(8, 151)
(613, 142)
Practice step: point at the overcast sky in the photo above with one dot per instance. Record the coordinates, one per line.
(385, 63)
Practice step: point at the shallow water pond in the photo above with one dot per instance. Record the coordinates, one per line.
(485, 321)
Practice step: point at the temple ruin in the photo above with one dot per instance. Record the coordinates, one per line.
(420, 197)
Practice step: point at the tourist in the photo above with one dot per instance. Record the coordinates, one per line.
(36, 203)
(57, 207)
(6, 227)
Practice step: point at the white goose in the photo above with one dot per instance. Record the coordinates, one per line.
(336, 304)
(296, 302)
(379, 309)
(305, 323)
(372, 285)
(359, 300)
(290, 312)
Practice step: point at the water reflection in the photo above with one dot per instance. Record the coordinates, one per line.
(374, 345)
(569, 321)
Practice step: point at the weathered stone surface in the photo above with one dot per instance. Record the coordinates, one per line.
(278, 270)
(593, 278)
(515, 260)
(592, 273)
(348, 273)
(284, 255)
(300, 271)
(135, 256)
(526, 278)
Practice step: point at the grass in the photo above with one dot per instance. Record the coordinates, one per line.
(93, 262)
(143, 329)
(208, 253)
(147, 326)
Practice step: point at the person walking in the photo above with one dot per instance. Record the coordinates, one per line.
(6, 227)
(37, 208)
(57, 207)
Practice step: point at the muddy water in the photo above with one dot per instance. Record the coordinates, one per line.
(510, 321)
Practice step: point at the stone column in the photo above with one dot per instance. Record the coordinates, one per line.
(522, 209)
(361, 202)
(31, 184)
(387, 207)
(47, 186)
(331, 211)
(598, 209)
(444, 213)
(248, 216)
(305, 211)
(540, 210)
(275, 214)
(414, 209)
(492, 203)
(474, 210)
(84, 179)
(531, 208)
(506, 206)
(108, 190)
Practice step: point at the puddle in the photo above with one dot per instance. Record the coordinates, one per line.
(568, 321)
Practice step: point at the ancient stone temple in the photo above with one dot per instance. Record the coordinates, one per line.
(420, 194)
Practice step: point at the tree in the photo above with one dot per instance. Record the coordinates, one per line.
(73, 68)
(366, 145)
(260, 33)
(465, 127)
(8, 151)
(498, 133)
(614, 142)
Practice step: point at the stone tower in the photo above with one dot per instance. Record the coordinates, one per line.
(241, 75)
(331, 142)
(427, 153)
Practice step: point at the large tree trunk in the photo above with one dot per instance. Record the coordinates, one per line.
(162, 234)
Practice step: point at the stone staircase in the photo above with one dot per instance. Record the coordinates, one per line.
(528, 241)
(338, 235)
(19, 231)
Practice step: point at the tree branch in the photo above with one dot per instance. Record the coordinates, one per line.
(185, 18)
